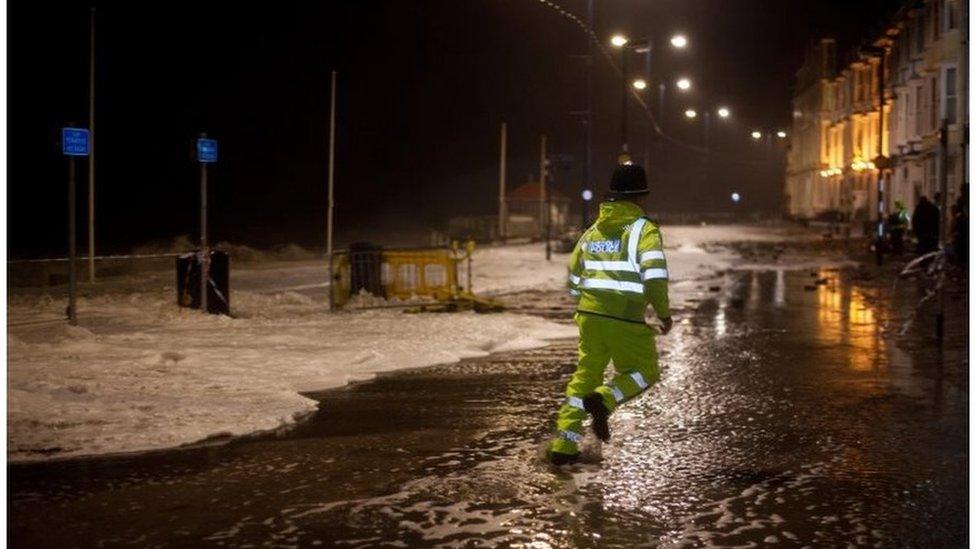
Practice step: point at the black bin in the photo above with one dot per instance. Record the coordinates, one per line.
(366, 268)
(188, 282)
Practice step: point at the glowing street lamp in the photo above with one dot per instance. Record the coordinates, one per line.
(618, 40)
(736, 197)
(781, 134)
(757, 135)
(683, 84)
(679, 41)
(640, 84)
(691, 113)
(724, 112)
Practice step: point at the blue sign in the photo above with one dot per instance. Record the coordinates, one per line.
(74, 141)
(207, 150)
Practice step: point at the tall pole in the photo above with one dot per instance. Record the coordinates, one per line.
(502, 206)
(943, 217)
(329, 214)
(588, 156)
(623, 101)
(708, 129)
(542, 185)
(205, 260)
(72, 245)
(879, 247)
(650, 93)
(662, 90)
(91, 157)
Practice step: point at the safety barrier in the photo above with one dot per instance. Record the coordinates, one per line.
(401, 274)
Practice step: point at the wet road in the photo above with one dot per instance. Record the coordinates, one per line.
(788, 413)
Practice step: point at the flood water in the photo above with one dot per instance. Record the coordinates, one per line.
(788, 413)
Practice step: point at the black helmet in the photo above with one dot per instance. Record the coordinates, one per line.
(628, 180)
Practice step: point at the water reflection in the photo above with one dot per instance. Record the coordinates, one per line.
(845, 316)
(720, 322)
(779, 289)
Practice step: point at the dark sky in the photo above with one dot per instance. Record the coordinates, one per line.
(423, 87)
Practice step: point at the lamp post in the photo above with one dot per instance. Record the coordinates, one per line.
(646, 46)
(880, 162)
(723, 113)
(621, 42)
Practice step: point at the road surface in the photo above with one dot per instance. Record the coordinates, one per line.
(789, 413)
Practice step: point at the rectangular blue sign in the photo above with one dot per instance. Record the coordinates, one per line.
(74, 141)
(207, 150)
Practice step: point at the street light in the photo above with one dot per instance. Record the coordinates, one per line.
(757, 135)
(691, 113)
(724, 112)
(781, 134)
(683, 84)
(644, 46)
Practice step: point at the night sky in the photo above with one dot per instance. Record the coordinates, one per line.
(423, 87)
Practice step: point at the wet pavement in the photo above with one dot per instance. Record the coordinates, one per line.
(789, 413)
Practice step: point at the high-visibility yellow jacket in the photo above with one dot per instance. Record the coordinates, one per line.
(618, 266)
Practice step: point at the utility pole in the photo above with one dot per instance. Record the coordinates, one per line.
(331, 205)
(880, 162)
(588, 121)
(707, 123)
(650, 94)
(74, 142)
(542, 185)
(882, 168)
(91, 157)
(502, 205)
(623, 102)
(545, 184)
(72, 246)
(205, 260)
(943, 219)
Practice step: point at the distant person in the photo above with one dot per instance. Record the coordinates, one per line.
(925, 225)
(616, 269)
(897, 225)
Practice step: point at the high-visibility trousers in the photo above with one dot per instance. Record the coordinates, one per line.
(631, 348)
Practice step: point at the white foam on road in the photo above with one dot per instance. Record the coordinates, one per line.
(139, 373)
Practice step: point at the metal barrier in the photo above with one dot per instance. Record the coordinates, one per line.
(398, 273)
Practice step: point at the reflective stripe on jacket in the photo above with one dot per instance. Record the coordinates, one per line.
(615, 273)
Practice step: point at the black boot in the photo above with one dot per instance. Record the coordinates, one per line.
(559, 458)
(593, 403)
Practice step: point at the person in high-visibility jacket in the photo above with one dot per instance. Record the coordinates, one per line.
(897, 225)
(616, 269)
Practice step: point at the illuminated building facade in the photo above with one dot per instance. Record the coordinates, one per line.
(831, 165)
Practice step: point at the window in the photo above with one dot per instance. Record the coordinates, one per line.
(933, 104)
(952, 15)
(905, 117)
(916, 114)
(918, 29)
(949, 95)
